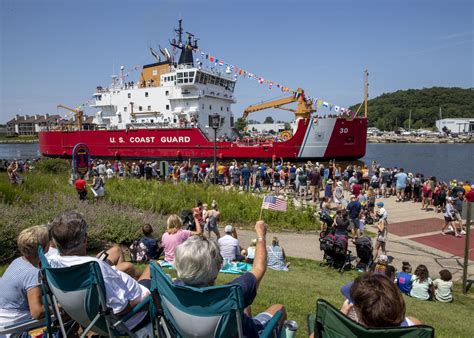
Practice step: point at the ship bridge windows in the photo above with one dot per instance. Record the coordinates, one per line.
(204, 78)
(185, 77)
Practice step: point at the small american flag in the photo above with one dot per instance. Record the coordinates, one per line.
(274, 203)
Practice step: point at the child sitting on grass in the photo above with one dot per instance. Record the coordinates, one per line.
(422, 285)
(404, 278)
(444, 287)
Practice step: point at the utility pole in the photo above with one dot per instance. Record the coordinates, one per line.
(465, 286)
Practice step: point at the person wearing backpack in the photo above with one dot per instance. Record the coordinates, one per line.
(417, 188)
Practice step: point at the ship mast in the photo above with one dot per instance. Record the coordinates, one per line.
(186, 57)
(366, 92)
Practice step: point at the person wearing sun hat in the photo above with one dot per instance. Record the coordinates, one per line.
(328, 189)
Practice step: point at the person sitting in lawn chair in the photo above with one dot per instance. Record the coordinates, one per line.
(21, 286)
(374, 300)
(69, 233)
(198, 261)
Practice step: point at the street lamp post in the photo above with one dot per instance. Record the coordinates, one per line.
(215, 121)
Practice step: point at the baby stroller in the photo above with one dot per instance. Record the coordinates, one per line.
(336, 254)
(326, 218)
(364, 249)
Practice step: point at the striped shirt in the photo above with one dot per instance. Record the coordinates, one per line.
(18, 279)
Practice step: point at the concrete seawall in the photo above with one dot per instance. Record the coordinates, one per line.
(413, 139)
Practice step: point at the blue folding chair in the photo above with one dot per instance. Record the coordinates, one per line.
(214, 311)
(80, 291)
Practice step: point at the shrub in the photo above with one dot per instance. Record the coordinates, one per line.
(108, 223)
(53, 166)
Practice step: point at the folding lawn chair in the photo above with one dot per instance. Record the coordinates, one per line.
(17, 329)
(329, 322)
(214, 311)
(80, 291)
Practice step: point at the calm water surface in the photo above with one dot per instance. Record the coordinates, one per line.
(445, 161)
(19, 151)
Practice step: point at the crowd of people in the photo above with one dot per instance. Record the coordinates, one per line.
(196, 258)
(417, 284)
(195, 247)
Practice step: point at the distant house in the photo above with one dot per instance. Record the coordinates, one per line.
(32, 125)
(456, 125)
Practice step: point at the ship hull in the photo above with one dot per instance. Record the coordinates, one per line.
(314, 139)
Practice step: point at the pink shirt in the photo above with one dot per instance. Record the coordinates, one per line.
(171, 241)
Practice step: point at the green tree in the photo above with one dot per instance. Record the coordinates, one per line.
(268, 119)
(240, 124)
(425, 105)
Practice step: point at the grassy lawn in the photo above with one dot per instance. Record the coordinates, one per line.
(307, 281)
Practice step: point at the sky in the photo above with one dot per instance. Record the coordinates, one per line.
(57, 51)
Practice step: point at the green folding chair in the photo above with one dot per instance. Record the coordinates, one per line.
(329, 322)
(215, 311)
(80, 291)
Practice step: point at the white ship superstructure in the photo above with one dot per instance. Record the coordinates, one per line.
(169, 95)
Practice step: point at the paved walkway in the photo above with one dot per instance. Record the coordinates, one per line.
(414, 236)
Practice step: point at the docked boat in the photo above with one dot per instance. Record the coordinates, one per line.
(179, 109)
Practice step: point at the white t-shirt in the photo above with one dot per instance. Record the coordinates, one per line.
(443, 290)
(120, 288)
(229, 247)
(110, 173)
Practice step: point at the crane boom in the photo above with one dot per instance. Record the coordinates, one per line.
(303, 109)
(78, 113)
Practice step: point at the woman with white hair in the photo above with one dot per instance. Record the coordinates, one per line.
(21, 284)
(198, 261)
(174, 235)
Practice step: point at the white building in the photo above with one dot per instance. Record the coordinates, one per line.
(456, 125)
(266, 127)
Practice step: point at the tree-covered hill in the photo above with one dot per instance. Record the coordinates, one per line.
(392, 110)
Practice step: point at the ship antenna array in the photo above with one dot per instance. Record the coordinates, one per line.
(179, 32)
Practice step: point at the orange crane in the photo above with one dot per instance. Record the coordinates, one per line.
(303, 109)
(78, 113)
